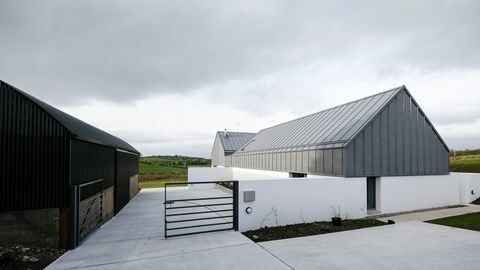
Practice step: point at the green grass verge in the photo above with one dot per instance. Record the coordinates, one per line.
(467, 221)
(307, 229)
(468, 163)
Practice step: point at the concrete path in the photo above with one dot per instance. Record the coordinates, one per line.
(434, 214)
(134, 240)
(408, 245)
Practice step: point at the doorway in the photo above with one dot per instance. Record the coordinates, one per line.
(371, 193)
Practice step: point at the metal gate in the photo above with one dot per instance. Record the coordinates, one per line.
(88, 209)
(196, 214)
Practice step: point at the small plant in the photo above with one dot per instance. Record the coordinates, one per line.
(336, 211)
(336, 216)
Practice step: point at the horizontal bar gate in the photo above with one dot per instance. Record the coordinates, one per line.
(201, 214)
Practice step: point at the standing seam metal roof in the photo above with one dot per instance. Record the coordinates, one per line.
(78, 128)
(331, 128)
(234, 140)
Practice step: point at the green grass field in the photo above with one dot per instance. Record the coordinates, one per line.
(467, 221)
(467, 163)
(155, 171)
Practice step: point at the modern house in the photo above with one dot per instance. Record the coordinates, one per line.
(378, 154)
(61, 177)
(386, 134)
(225, 144)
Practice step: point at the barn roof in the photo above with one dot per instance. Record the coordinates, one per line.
(78, 128)
(232, 141)
(332, 128)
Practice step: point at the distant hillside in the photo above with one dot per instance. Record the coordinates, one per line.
(156, 170)
(454, 153)
(175, 160)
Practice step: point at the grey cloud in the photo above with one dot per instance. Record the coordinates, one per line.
(122, 50)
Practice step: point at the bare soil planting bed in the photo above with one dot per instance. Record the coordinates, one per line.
(22, 257)
(308, 229)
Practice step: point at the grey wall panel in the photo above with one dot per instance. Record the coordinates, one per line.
(311, 161)
(287, 161)
(368, 150)
(337, 161)
(319, 162)
(305, 161)
(376, 147)
(399, 134)
(399, 141)
(421, 148)
(274, 162)
(384, 142)
(328, 161)
(350, 164)
(299, 162)
(293, 161)
(359, 155)
(392, 142)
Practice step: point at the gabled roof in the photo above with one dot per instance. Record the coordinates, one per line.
(233, 140)
(331, 128)
(78, 128)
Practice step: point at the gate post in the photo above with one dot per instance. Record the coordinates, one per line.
(235, 205)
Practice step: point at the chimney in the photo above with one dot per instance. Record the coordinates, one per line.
(225, 133)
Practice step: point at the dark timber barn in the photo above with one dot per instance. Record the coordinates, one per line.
(61, 177)
(386, 134)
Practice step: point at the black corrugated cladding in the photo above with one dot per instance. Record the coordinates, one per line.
(127, 166)
(91, 162)
(33, 155)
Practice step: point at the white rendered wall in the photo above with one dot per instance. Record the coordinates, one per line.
(468, 182)
(201, 174)
(250, 174)
(208, 174)
(298, 200)
(406, 193)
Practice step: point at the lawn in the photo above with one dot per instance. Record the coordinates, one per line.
(467, 221)
(155, 171)
(465, 163)
(307, 229)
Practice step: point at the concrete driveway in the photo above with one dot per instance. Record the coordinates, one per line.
(134, 240)
(408, 245)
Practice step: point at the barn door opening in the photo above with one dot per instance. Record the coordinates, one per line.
(371, 194)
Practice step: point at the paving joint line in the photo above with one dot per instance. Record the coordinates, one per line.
(155, 257)
(276, 257)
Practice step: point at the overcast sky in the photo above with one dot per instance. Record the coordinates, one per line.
(166, 75)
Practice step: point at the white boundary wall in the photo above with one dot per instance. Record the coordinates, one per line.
(298, 200)
(468, 182)
(406, 193)
(309, 199)
(208, 174)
